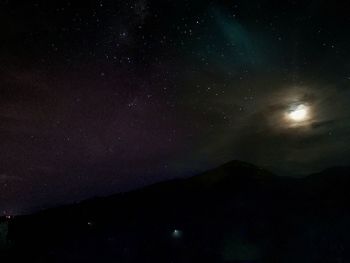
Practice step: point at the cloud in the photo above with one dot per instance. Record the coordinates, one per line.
(323, 124)
(6, 178)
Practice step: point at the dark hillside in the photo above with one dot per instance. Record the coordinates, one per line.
(234, 213)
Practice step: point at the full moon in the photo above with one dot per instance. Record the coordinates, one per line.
(299, 114)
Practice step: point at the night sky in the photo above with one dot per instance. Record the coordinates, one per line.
(98, 97)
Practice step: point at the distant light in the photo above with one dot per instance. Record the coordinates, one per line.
(176, 233)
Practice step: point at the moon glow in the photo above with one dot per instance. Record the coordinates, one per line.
(298, 114)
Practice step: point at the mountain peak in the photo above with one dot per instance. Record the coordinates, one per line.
(232, 172)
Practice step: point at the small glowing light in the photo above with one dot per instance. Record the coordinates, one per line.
(299, 114)
(176, 233)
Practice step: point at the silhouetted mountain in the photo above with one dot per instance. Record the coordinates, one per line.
(234, 213)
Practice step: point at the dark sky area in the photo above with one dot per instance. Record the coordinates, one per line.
(103, 96)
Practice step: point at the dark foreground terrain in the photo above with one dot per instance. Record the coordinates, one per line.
(235, 213)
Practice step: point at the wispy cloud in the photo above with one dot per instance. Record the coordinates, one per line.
(5, 178)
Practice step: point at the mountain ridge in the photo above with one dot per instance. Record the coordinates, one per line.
(234, 207)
